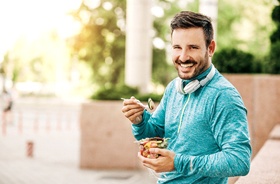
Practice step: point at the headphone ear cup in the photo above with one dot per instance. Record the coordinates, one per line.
(179, 85)
(195, 84)
(189, 88)
(192, 86)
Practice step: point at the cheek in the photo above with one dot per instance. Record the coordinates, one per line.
(175, 55)
(199, 55)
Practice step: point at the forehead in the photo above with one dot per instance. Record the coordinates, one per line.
(188, 36)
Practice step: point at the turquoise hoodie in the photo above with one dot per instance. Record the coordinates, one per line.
(208, 132)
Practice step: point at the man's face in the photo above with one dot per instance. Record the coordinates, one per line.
(189, 53)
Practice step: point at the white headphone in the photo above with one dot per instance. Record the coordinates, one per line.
(195, 84)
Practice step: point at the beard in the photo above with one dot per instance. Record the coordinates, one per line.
(196, 67)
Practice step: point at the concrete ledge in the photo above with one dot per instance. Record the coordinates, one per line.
(275, 133)
(262, 104)
(265, 167)
(106, 138)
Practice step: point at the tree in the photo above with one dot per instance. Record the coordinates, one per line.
(245, 25)
(274, 61)
(101, 42)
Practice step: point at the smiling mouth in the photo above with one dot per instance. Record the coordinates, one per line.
(186, 65)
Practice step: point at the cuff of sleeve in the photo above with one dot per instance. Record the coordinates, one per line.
(138, 129)
(146, 115)
(182, 163)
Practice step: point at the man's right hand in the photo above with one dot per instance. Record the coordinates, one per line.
(133, 110)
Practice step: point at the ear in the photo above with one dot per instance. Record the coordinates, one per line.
(211, 48)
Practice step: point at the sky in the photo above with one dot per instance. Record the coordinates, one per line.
(32, 18)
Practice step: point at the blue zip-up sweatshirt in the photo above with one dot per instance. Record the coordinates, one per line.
(208, 132)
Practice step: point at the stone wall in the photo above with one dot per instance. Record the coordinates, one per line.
(107, 141)
(261, 95)
(106, 137)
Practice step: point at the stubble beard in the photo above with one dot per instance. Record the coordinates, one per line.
(199, 68)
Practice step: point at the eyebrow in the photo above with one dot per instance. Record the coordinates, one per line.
(193, 45)
(189, 45)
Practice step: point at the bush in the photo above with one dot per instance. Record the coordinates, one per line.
(123, 91)
(274, 59)
(236, 61)
(275, 36)
(274, 63)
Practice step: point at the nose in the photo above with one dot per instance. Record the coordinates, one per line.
(184, 56)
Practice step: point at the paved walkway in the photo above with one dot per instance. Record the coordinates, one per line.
(56, 149)
(53, 127)
(265, 168)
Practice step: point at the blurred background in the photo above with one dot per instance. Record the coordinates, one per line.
(55, 55)
(62, 48)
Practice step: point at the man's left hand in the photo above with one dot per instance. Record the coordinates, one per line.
(164, 163)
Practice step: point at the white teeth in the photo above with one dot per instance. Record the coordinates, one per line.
(186, 65)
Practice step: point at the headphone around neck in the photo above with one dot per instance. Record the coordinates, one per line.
(195, 84)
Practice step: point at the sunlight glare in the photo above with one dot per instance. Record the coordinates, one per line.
(32, 18)
(107, 6)
(157, 11)
(158, 43)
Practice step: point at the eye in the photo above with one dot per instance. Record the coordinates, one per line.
(176, 47)
(194, 47)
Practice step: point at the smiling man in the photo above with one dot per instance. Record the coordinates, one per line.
(201, 113)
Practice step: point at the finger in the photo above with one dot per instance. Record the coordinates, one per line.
(161, 152)
(150, 163)
(129, 102)
(133, 104)
(135, 118)
(127, 108)
(136, 101)
(132, 112)
(145, 161)
(141, 158)
(133, 101)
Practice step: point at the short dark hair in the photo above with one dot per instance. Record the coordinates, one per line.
(188, 19)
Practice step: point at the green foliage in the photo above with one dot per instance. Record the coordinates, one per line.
(276, 14)
(226, 21)
(114, 93)
(101, 42)
(274, 63)
(275, 36)
(235, 61)
(247, 29)
(144, 97)
(162, 71)
(123, 91)
(102, 39)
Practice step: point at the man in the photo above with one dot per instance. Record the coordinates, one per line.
(201, 113)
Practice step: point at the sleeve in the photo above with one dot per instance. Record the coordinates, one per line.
(230, 130)
(152, 125)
